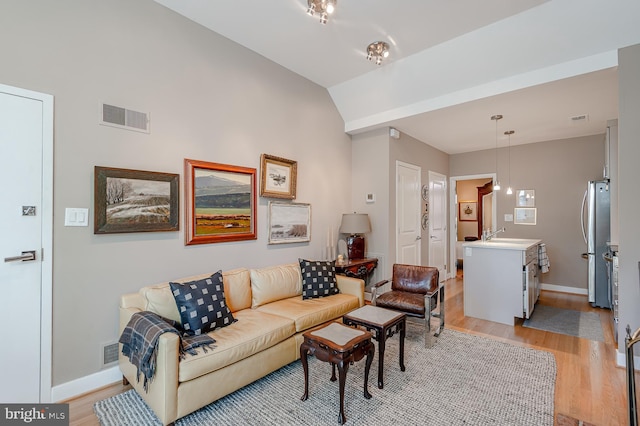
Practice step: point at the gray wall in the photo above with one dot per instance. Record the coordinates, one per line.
(629, 195)
(210, 99)
(558, 171)
(374, 170)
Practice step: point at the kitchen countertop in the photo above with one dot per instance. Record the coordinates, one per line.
(503, 243)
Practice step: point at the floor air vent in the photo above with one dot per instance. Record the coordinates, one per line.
(109, 354)
(123, 118)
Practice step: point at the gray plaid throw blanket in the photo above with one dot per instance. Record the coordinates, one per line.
(140, 342)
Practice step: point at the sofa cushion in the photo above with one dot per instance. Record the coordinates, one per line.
(274, 283)
(254, 332)
(311, 312)
(202, 304)
(318, 278)
(237, 289)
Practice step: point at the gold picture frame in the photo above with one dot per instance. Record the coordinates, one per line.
(278, 177)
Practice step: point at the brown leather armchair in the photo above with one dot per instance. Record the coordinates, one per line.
(412, 288)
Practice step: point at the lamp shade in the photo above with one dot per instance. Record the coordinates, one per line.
(355, 223)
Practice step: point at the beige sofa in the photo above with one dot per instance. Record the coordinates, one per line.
(271, 318)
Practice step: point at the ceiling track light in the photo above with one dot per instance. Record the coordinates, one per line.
(509, 133)
(496, 184)
(323, 7)
(378, 50)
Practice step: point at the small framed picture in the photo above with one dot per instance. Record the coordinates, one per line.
(289, 222)
(134, 201)
(220, 202)
(524, 216)
(468, 211)
(525, 197)
(278, 177)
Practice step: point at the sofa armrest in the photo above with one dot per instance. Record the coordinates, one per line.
(353, 286)
(162, 394)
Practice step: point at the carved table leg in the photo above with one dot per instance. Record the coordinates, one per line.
(343, 367)
(367, 367)
(382, 337)
(304, 350)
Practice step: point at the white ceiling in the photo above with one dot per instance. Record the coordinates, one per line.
(333, 56)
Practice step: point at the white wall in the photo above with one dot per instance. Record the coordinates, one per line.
(209, 98)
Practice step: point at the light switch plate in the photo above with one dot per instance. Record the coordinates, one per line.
(508, 218)
(76, 217)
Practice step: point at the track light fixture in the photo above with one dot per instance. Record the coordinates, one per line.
(377, 51)
(323, 7)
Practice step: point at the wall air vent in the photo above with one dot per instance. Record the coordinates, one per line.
(577, 118)
(123, 118)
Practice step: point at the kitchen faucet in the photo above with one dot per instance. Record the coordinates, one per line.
(486, 235)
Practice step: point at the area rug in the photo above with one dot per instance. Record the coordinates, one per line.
(462, 380)
(566, 321)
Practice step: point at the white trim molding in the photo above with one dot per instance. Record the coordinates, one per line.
(86, 384)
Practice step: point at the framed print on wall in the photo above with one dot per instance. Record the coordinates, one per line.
(278, 177)
(524, 216)
(468, 211)
(134, 201)
(289, 222)
(220, 202)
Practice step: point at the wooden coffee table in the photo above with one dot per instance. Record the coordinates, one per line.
(340, 345)
(382, 323)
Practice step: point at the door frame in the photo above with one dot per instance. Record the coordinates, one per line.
(46, 255)
(453, 214)
(418, 169)
(433, 176)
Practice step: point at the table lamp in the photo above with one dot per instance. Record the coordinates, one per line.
(355, 224)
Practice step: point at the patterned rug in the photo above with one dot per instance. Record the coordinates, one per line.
(462, 380)
(566, 321)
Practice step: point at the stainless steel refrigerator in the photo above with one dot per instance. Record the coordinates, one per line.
(596, 233)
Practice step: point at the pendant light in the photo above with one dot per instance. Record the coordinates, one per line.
(509, 133)
(496, 184)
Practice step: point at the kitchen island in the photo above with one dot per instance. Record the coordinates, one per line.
(500, 279)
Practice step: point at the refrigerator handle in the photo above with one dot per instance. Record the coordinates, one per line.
(584, 231)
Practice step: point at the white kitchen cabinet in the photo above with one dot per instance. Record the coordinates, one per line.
(500, 279)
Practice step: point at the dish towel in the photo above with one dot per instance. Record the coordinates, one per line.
(543, 258)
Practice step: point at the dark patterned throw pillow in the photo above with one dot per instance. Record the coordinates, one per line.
(202, 305)
(318, 278)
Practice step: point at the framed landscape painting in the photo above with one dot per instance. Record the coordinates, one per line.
(278, 177)
(134, 201)
(289, 222)
(220, 202)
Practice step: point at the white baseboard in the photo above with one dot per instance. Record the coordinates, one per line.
(564, 289)
(621, 360)
(85, 384)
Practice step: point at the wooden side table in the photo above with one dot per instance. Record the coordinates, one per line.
(382, 323)
(340, 345)
(357, 268)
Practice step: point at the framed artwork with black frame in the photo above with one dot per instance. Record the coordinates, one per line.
(220, 202)
(128, 200)
(278, 177)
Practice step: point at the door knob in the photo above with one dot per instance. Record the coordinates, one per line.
(24, 257)
(418, 238)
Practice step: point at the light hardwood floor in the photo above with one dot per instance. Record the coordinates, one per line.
(589, 386)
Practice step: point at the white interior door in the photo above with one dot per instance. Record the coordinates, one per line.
(408, 213)
(25, 226)
(438, 223)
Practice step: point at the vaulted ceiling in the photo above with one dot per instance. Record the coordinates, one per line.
(452, 64)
